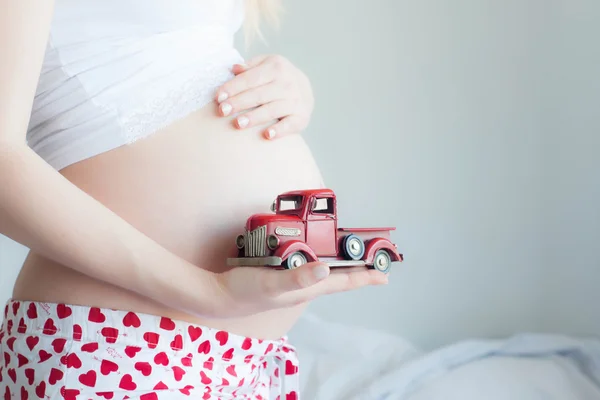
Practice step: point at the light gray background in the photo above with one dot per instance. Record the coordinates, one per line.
(473, 127)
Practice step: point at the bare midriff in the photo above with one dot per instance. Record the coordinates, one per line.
(190, 187)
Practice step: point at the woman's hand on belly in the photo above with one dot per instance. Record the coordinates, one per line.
(274, 89)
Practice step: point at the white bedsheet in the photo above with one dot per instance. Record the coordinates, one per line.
(343, 362)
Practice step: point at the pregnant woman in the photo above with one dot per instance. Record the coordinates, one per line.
(134, 143)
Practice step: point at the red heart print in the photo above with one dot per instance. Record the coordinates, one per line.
(231, 370)
(63, 311)
(9, 326)
(194, 332)
(7, 391)
(291, 396)
(22, 360)
(224, 382)
(205, 379)
(187, 360)
(276, 372)
(127, 383)
(30, 375)
(10, 343)
(59, 345)
(177, 343)
(131, 351)
(15, 307)
(149, 396)
(106, 367)
(22, 326)
(89, 347)
(152, 339)
(88, 379)
(167, 324)
(222, 337)
(77, 332)
(32, 311)
(24, 393)
(290, 368)
(32, 341)
(106, 395)
(160, 386)
(178, 373)
(228, 355)
(12, 374)
(144, 367)
(40, 389)
(208, 364)
(55, 376)
(49, 327)
(186, 390)
(204, 347)
(269, 348)
(71, 361)
(248, 358)
(247, 344)
(95, 315)
(44, 356)
(110, 334)
(206, 396)
(131, 319)
(161, 358)
(69, 394)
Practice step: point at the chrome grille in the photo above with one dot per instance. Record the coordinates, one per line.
(256, 242)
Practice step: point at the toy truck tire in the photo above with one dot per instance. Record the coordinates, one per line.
(382, 261)
(295, 260)
(353, 247)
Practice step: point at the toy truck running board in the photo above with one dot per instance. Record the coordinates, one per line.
(274, 261)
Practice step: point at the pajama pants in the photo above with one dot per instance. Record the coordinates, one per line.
(59, 351)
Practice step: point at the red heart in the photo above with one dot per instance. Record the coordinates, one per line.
(40, 389)
(69, 394)
(205, 379)
(55, 376)
(32, 341)
(106, 367)
(10, 342)
(204, 347)
(110, 334)
(24, 393)
(106, 395)
(22, 326)
(167, 324)
(22, 360)
(160, 386)
(44, 356)
(144, 367)
(131, 319)
(88, 379)
(247, 344)
(206, 396)
(152, 339)
(228, 355)
(49, 327)
(276, 373)
(222, 337)
(6, 359)
(15, 307)
(225, 382)
(269, 348)
(132, 350)
(30, 375)
(290, 368)
(241, 383)
(187, 360)
(89, 347)
(59, 345)
(149, 396)
(95, 315)
(231, 370)
(178, 372)
(12, 374)
(194, 332)
(248, 358)
(177, 343)
(71, 361)
(208, 364)
(186, 390)
(77, 332)
(9, 326)
(291, 396)
(63, 311)
(127, 383)
(161, 358)
(7, 391)
(32, 311)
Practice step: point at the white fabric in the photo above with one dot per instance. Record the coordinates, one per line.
(344, 362)
(116, 71)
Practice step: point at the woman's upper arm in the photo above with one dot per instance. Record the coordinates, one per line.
(24, 31)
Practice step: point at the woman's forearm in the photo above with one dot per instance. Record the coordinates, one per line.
(42, 210)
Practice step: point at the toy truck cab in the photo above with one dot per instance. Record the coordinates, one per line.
(303, 227)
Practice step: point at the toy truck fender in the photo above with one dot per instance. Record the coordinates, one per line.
(288, 248)
(377, 244)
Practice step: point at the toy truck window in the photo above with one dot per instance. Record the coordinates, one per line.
(323, 205)
(290, 204)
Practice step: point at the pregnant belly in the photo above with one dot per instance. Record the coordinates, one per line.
(189, 187)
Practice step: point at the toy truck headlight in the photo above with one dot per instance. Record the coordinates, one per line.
(272, 242)
(240, 241)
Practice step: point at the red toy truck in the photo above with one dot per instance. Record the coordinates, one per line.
(303, 229)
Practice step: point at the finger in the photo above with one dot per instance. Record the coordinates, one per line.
(253, 62)
(266, 113)
(248, 79)
(286, 126)
(252, 98)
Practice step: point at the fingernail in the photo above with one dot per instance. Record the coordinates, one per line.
(270, 134)
(225, 109)
(243, 121)
(243, 65)
(321, 272)
(222, 97)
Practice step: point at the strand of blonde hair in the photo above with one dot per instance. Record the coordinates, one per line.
(256, 11)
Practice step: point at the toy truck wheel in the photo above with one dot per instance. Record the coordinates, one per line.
(295, 260)
(382, 261)
(353, 247)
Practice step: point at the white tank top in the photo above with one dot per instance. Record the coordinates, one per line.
(118, 70)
